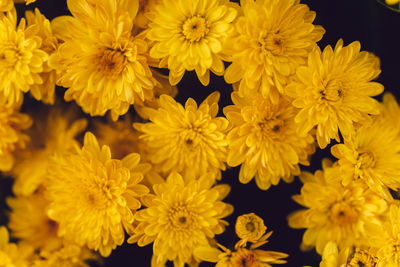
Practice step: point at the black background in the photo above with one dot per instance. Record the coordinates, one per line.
(375, 26)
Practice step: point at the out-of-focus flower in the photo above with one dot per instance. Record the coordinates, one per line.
(190, 35)
(12, 124)
(271, 39)
(93, 197)
(334, 91)
(181, 216)
(54, 131)
(189, 139)
(264, 140)
(12, 254)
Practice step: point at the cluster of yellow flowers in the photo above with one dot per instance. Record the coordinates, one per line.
(81, 184)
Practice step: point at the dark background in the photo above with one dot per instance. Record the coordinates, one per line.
(375, 26)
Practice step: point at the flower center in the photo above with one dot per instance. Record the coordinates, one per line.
(273, 43)
(332, 92)
(9, 57)
(195, 28)
(366, 160)
(244, 258)
(250, 227)
(343, 214)
(271, 126)
(52, 226)
(181, 218)
(361, 258)
(112, 63)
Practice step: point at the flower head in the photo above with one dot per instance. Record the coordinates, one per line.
(189, 35)
(189, 139)
(250, 227)
(12, 254)
(54, 131)
(334, 91)
(12, 124)
(372, 155)
(347, 215)
(271, 39)
(181, 216)
(21, 59)
(263, 139)
(93, 197)
(102, 62)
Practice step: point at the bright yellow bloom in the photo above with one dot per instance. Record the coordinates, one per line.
(181, 216)
(12, 254)
(30, 223)
(190, 139)
(241, 256)
(392, 2)
(54, 131)
(189, 35)
(346, 215)
(6, 5)
(334, 91)
(11, 135)
(102, 62)
(390, 111)
(250, 227)
(389, 243)
(264, 140)
(45, 91)
(68, 256)
(271, 39)
(21, 59)
(93, 197)
(348, 257)
(372, 155)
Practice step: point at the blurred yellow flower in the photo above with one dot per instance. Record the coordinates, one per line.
(12, 254)
(179, 217)
(263, 139)
(12, 124)
(54, 131)
(347, 215)
(271, 39)
(334, 91)
(189, 35)
(190, 139)
(21, 59)
(348, 257)
(101, 61)
(93, 197)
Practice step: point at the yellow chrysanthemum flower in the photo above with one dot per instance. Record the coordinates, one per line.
(250, 227)
(263, 139)
(348, 257)
(12, 254)
(372, 155)
(102, 62)
(68, 256)
(181, 216)
(12, 122)
(271, 39)
(389, 242)
(334, 91)
(93, 197)
(189, 35)
(346, 215)
(190, 139)
(30, 223)
(390, 111)
(21, 59)
(54, 131)
(44, 92)
(241, 256)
